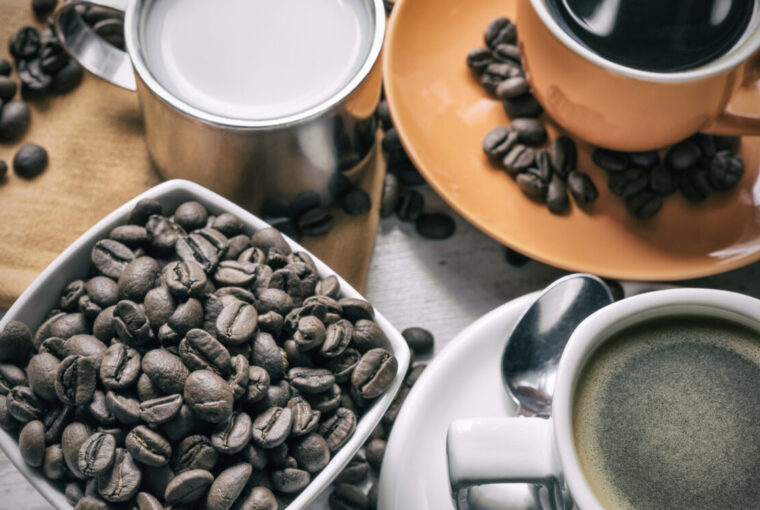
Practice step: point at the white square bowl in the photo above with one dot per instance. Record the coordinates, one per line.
(44, 293)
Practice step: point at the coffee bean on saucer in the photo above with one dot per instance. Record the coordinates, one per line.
(519, 159)
(304, 201)
(525, 105)
(557, 199)
(611, 161)
(500, 31)
(644, 205)
(391, 141)
(14, 120)
(347, 497)
(529, 131)
(498, 142)
(726, 170)
(419, 340)
(30, 161)
(391, 195)
(315, 222)
(581, 187)
(507, 53)
(479, 58)
(5, 67)
(512, 88)
(7, 89)
(25, 43)
(338, 185)
(563, 155)
(497, 72)
(67, 78)
(682, 156)
(356, 202)
(410, 205)
(435, 226)
(663, 180)
(646, 159)
(694, 183)
(532, 184)
(628, 182)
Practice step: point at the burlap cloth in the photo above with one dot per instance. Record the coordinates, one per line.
(98, 160)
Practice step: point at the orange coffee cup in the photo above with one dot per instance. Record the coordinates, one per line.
(622, 108)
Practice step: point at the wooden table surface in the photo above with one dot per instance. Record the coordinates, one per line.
(440, 285)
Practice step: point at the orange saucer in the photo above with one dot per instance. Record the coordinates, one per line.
(442, 113)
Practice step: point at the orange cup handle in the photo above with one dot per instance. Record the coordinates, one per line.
(731, 123)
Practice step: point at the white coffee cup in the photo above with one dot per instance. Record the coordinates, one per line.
(535, 450)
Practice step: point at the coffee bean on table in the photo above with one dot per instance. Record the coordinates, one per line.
(67, 78)
(347, 497)
(5, 67)
(30, 161)
(612, 161)
(726, 170)
(419, 340)
(33, 79)
(14, 120)
(25, 43)
(644, 205)
(410, 205)
(663, 180)
(52, 57)
(525, 105)
(581, 187)
(315, 222)
(479, 58)
(500, 31)
(42, 8)
(7, 89)
(435, 226)
(356, 202)
(682, 156)
(529, 131)
(694, 184)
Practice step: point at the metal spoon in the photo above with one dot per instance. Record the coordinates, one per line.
(530, 358)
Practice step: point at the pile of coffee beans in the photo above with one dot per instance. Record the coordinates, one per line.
(198, 364)
(694, 167)
(549, 176)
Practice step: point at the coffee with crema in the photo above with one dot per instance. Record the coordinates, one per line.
(666, 415)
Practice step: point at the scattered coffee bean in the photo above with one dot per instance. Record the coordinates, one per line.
(629, 182)
(529, 131)
(479, 58)
(391, 195)
(581, 187)
(25, 43)
(519, 159)
(500, 31)
(67, 78)
(644, 205)
(532, 184)
(682, 156)
(663, 180)
(563, 155)
(525, 105)
(557, 199)
(7, 89)
(42, 8)
(435, 226)
(30, 161)
(356, 202)
(14, 120)
(419, 340)
(5, 67)
(317, 221)
(498, 142)
(647, 159)
(611, 161)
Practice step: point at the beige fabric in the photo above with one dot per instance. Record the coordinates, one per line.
(98, 160)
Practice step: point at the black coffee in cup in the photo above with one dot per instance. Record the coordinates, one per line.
(655, 35)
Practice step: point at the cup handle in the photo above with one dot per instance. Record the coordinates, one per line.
(730, 123)
(483, 451)
(90, 50)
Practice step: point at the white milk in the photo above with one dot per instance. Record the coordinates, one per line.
(255, 59)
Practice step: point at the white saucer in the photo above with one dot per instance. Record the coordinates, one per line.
(463, 381)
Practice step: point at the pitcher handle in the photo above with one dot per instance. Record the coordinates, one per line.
(738, 123)
(90, 50)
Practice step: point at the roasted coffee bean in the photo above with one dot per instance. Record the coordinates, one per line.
(143, 210)
(337, 337)
(343, 365)
(507, 53)
(228, 224)
(371, 496)
(581, 187)
(73, 437)
(272, 427)
(196, 248)
(399, 164)
(390, 196)
(97, 454)
(375, 451)
(237, 323)
(644, 205)
(234, 273)
(75, 380)
(148, 446)
(347, 497)
(166, 370)
(14, 120)
(356, 309)
(329, 287)
(682, 156)
(479, 58)
(419, 340)
(311, 380)
(498, 142)
(315, 222)
(726, 170)
(161, 409)
(42, 8)
(557, 199)
(410, 205)
(163, 233)
(305, 201)
(52, 57)
(228, 486)
(629, 182)
(258, 384)
(53, 465)
(91, 502)
(42, 371)
(274, 300)
(61, 325)
(305, 419)
(383, 114)
(187, 316)
(120, 367)
(357, 202)
(290, 480)
(70, 295)
(5, 67)
(496, 72)
(374, 373)
(31, 443)
(611, 161)
(191, 215)
(103, 290)
(185, 279)
(232, 436)
(277, 395)
(662, 180)
(137, 278)
(260, 498)
(209, 396)
(532, 184)
(55, 422)
(524, 106)
(86, 346)
(312, 453)
(238, 244)
(7, 421)
(646, 159)
(327, 401)
(529, 131)
(355, 471)
(183, 423)
(30, 161)
(25, 43)
(268, 238)
(111, 257)
(15, 343)
(7, 89)
(98, 408)
(284, 225)
(199, 350)
(338, 428)
(111, 31)
(67, 78)
(122, 482)
(267, 354)
(694, 183)
(519, 159)
(563, 155)
(10, 377)
(368, 335)
(435, 226)
(146, 501)
(194, 452)
(512, 88)
(500, 31)
(124, 408)
(157, 479)
(34, 80)
(310, 334)
(131, 324)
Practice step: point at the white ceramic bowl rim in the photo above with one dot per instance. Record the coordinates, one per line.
(602, 325)
(29, 308)
(742, 50)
